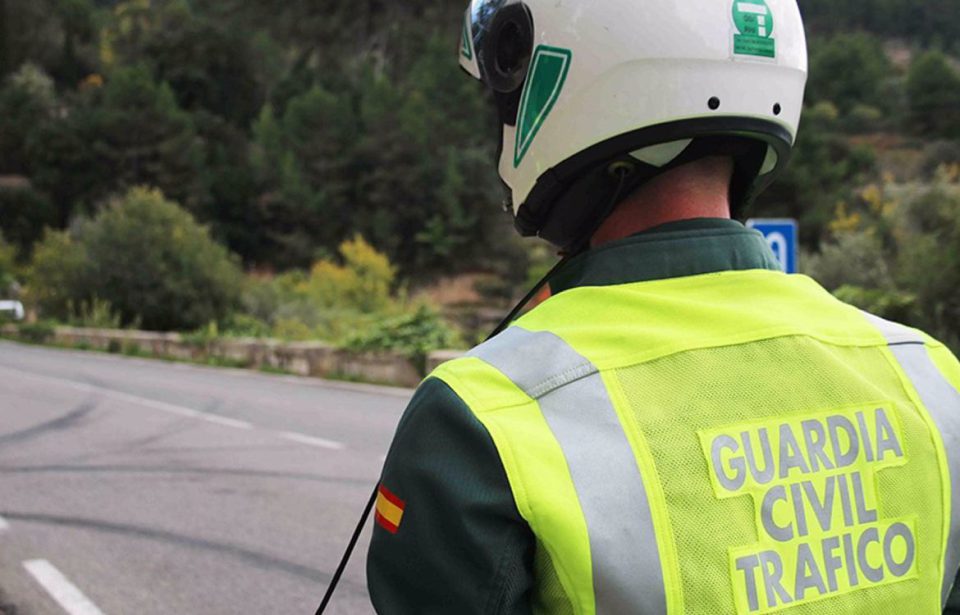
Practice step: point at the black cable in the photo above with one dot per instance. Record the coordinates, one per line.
(523, 302)
(346, 554)
(578, 248)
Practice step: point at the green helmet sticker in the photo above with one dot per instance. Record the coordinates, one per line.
(754, 22)
(548, 72)
(466, 45)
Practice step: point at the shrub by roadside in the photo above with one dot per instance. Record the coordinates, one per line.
(413, 334)
(143, 255)
(894, 252)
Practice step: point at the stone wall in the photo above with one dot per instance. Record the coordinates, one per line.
(302, 358)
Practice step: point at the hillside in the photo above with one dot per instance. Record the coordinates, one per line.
(289, 128)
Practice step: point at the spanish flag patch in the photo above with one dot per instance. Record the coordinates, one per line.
(389, 510)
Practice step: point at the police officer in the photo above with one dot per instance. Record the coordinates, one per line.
(680, 428)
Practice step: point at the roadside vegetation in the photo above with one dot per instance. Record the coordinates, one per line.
(308, 172)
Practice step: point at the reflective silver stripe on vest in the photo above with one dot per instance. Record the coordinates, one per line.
(943, 403)
(627, 576)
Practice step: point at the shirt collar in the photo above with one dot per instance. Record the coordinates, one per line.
(672, 250)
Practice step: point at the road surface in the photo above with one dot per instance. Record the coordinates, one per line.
(146, 487)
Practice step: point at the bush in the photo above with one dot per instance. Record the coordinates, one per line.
(361, 283)
(57, 274)
(95, 314)
(938, 155)
(245, 325)
(895, 253)
(413, 334)
(852, 259)
(144, 255)
(38, 332)
(334, 299)
(863, 118)
(891, 304)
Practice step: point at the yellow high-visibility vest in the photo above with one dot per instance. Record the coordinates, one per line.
(738, 442)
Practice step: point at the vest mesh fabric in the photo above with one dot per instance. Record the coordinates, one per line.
(549, 597)
(673, 398)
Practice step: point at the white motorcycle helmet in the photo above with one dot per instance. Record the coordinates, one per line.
(598, 96)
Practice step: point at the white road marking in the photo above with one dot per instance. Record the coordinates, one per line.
(310, 440)
(178, 410)
(60, 588)
(141, 401)
(222, 420)
(4, 526)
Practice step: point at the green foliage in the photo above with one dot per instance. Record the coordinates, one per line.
(886, 303)
(933, 88)
(847, 70)
(130, 132)
(335, 298)
(916, 21)
(363, 282)
(95, 314)
(940, 156)
(288, 128)
(24, 214)
(245, 325)
(27, 100)
(414, 334)
(824, 168)
(7, 268)
(145, 256)
(207, 63)
(895, 251)
(57, 274)
(55, 34)
(38, 332)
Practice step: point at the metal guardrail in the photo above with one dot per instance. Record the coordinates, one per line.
(13, 306)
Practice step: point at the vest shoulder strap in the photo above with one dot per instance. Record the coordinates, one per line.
(571, 394)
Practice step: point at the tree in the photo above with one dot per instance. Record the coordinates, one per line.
(823, 170)
(147, 258)
(230, 186)
(128, 133)
(208, 64)
(917, 21)
(933, 88)
(55, 34)
(24, 214)
(847, 70)
(27, 100)
(305, 162)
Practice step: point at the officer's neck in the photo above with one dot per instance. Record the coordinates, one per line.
(696, 190)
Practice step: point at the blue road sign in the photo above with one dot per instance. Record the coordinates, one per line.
(783, 236)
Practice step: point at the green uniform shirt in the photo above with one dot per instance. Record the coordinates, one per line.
(461, 545)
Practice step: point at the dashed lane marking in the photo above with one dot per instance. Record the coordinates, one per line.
(178, 410)
(226, 422)
(4, 526)
(312, 441)
(60, 588)
(141, 401)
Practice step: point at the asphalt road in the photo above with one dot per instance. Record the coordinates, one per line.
(139, 486)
